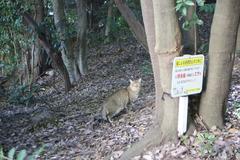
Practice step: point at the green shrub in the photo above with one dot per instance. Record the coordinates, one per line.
(147, 68)
(21, 155)
(208, 8)
(206, 141)
(236, 112)
(22, 94)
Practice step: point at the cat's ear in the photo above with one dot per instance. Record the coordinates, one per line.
(130, 81)
(139, 80)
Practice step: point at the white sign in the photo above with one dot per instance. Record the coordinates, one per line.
(187, 75)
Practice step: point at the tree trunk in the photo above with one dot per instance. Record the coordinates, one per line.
(238, 41)
(133, 23)
(55, 56)
(221, 58)
(66, 50)
(164, 42)
(109, 21)
(38, 57)
(149, 140)
(81, 27)
(168, 46)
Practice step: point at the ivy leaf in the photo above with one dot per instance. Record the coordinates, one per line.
(178, 6)
(199, 22)
(21, 155)
(184, 11)
(179, 1)
(186, 25)
(1, 153)
(36, 153)
(189, 3)
(200, 2)
(11, 153)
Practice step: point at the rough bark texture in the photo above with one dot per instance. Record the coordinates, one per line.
(38, 57)
(153, 136)
(66, 43)
(161, 25)
(81, 27)
(73, 48)
(55, 56)
(168, 46)
(221, 58)
(238, 41)
(109, 19)
(132, 21)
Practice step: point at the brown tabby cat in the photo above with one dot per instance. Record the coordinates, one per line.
(118, 101)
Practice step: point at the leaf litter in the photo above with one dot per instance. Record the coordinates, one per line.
(69, 132)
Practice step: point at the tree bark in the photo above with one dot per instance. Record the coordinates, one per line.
(238, 41)
(81, 27)
(55, 56)
(164, 41)
(168, 46)
(133, 23)
(153, 136)
(221, 58)
(66, 43)
(38, 57)
(108, 22)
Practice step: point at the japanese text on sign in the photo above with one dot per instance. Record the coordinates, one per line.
(187, 75)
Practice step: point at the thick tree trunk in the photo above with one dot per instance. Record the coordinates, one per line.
(133, 23)
(55, 56)
(81, 27)
(164, 42)
(66, 50)
(221, 58)
(153, 136)
(168, 46)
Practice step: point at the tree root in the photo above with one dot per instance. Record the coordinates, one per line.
(155, 136)
(152, 138)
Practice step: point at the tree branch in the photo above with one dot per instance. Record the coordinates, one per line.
(133, 22)
(55, 56)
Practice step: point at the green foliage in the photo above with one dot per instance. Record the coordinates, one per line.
(22, 94)
(182, 7)
(21, 155)
(184, 140)
(146, 68)
(12, 40)
(208, 8)
(11, 153)
(203, 49)
(206, 141)
(236, 106)
(119, 29)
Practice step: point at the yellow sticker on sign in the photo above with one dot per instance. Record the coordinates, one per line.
(189, 61)
(187, 75)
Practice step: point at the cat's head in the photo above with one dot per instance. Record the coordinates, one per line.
(135, 84)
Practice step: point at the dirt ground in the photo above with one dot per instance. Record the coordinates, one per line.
(63, 121)
(110, 68)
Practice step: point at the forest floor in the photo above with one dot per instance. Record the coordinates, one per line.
(63, 122)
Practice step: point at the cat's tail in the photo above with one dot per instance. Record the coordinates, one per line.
(101, 116)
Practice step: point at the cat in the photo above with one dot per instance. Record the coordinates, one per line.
(119, 100)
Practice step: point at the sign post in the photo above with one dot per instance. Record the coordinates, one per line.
(187, 79)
